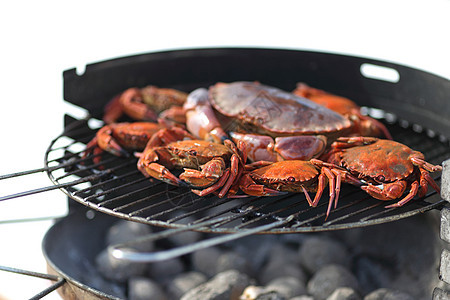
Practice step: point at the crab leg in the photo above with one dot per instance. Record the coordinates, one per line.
(431, 181)
(425, 165)
(238, 160)
(215, 186)
(113, 110)
(338, 186)
(368, 122)
(166, 136)
(424, 168)
(320, 188)
(92, 148)
(234, 171)
(308, 198)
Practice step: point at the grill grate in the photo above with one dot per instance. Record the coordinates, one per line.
(116, 187)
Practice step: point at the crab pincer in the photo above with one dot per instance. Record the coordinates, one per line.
(120, 138)
(201, 120)
(149, 103)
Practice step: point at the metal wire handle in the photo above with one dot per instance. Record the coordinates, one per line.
(59, 281)
(123, 251)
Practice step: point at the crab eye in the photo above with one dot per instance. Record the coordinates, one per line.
(291, 179)
(380, 178)
(193, 152)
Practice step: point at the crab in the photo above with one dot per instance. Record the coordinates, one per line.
(389, 168)
(207, 166)
(361, 125)
(119, 138)
(298, 176)
(276, 125)
(147, 104)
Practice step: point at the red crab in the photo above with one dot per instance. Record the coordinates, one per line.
(207, 165)
(275, 124)
(147, 104)
(388, 167)
(296, 176)
(361, 125)
(119, 138)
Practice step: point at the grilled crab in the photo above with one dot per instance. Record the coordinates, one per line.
(147, 104)
(296, 176)
(361, 125)
(388, 167)
(119, 138)
(207, 165)
(276, 125)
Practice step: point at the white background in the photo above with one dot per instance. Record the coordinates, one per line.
(40, 39)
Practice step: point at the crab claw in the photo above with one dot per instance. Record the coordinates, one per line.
(208, 174)
(160, 172)
(250, 187)
(265, 148)
(389, 191)
(201, 119)
(104, 141)
(148, 166)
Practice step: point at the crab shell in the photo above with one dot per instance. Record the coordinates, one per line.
(382, 161)
(194, 153)
(160, 99)
(288, 176)
(132, 136)
(256, 108)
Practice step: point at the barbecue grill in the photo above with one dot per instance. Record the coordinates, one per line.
(410, 102)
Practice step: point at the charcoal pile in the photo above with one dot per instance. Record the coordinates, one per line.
(381, 262)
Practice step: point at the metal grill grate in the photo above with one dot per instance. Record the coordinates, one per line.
(116, 187)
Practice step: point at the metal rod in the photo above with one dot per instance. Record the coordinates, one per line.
(49, 188)
(29, 273)
(110, 181)
(133, 256)
(50, 289)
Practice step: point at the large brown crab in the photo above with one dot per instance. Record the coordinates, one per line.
(389, 168)
(207, 165)
(147, 104)
(361, 125)
(276, 125)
